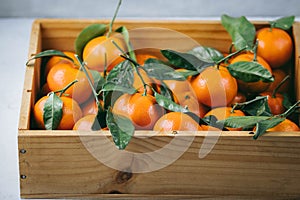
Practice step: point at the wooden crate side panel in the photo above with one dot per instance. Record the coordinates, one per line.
(296, 35)
(61, 35)
(61, 166)
(32, 77)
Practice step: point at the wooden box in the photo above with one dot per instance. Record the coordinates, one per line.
(55, 164)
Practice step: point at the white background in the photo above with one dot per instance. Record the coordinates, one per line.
(17, 16)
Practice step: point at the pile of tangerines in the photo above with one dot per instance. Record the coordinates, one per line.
(162, 92)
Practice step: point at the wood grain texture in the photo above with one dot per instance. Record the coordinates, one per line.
(57, 164)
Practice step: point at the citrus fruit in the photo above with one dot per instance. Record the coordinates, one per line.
(142, 110)
(176, 121)
(286, 125)
(252, 87)
(222, 113)
(279, 75)
(89, 107)
(101, 49)
(274, 45)
(61, 74)
(142, 57)
(71, 112)
(215, 87)
(275, 102)
(56, 59)
(239, 98)
(85, 123)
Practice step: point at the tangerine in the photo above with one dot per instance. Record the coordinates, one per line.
(96, 49)
(142, 110)
(215, 87)
(61, 74)
(71, 113)
(176, 121)
(274, 45)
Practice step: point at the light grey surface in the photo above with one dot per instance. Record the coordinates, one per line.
(148, 8)
(14, 40)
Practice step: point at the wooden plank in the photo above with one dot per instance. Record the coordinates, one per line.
(31, 84)
(58, 166)
(296, 36)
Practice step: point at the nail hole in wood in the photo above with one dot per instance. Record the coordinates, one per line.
(23, 176)
(115, 192)
(23, 151)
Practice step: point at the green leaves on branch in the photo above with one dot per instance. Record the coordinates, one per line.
(52, 111)
(242, 31)
(123, 30)
(88, 33)
(49, 53)
(207, 54)
(250, 72)
(262, 123)
(284, 23)
(121, 129)
(185, 60)
(168, 103)
(161, 71)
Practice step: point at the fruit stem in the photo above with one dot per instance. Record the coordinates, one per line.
(82, 66)
(279, 85)
(255, 51)
(65, 88)
(230, 55)
(105, 65)
(113, 19)
(290, 110)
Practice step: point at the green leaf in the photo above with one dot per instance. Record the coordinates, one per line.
(242, 121)
(49, 53)
(110, 86)
(207, 54)
(286, 101)
(52, 111)
(98, 80)
(250, 71)
(87, 34)
(121, 129)
(165, 91)
(255, 107)
(263, 126)
(123, 30)
(100, 120)
(161, 71)
(242, 31)
(284, 23)
(185, 60)
(122, 74)
(168, 103)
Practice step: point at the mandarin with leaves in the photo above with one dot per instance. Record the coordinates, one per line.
(71, 113)
(257, 86)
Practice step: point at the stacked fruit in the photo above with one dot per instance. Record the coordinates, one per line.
(105, 84)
